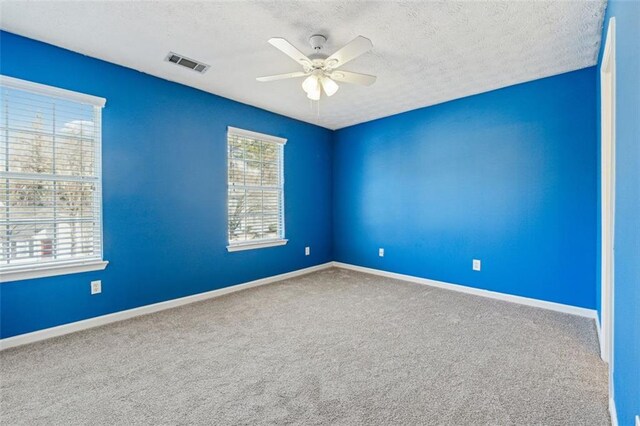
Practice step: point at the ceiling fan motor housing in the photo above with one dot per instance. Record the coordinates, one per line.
(317, 41)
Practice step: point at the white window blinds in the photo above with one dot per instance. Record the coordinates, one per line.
(255, 188)
(50, 176)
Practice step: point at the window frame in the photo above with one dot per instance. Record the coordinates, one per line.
(261, 243)
(62, 267)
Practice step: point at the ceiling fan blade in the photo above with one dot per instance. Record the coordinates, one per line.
(353, 77)
(288, 49)
(352, 50)
(282, 76)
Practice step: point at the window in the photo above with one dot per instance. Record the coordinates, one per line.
(255, 190)
(50, 181)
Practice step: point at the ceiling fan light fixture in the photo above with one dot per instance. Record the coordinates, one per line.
(314, 94)
(330, 87)
(309, 84)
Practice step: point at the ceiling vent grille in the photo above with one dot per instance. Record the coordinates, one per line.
(187, 63)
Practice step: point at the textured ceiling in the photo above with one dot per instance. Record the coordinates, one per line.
(424, 52)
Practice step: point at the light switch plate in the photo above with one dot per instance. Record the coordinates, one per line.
(307, 251)
(381, 252)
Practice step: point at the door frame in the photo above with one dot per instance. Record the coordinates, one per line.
(607, 191)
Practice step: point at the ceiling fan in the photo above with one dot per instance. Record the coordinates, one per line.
(322, 70)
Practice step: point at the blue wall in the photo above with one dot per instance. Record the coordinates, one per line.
(508, 177)
(162, 241)
(626, 377)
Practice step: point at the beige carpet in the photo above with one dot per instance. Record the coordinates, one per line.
(332, 347)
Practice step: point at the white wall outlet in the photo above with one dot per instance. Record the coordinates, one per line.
(477, 264)
(307, 251)
(96, 287)
(381, 252)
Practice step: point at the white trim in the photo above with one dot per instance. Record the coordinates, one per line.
(599, 333)
(255, 135)
(98, 185)
(638, 420)
(35, 270)
(607, 186)
(256, 245)
(613, 412)
(60, 330)
(156, 307)
(558, 307)
(607, 189)
(27, 272)
(57, 92)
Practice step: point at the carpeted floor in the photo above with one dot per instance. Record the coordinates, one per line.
(332, 347)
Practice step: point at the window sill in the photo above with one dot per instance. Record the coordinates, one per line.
(256, 245)
(29, 272)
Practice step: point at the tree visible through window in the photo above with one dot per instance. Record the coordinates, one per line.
(255, 187)
(50, 201)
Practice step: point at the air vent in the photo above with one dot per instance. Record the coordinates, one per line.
(187, 63)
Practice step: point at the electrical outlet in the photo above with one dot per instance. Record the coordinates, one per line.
(96, 287)
(381, 252)
(476, 264)
(307, 251)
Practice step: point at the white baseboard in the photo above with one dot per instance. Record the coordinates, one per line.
(613, 412)
(559, 307)
(599, 332)
(60, 330)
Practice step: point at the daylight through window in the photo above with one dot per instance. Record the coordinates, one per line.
(50, 176)
(255, 189)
